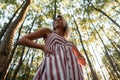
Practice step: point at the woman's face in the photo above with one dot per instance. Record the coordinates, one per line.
(59, 22)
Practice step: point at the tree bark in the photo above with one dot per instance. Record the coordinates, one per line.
(7, 25)
(114, 45)
(19, 65)
(94, 75)
(12, 52)
(6, 44)
(106, 50)
(105, 14)
(96, 57)
(55, 8)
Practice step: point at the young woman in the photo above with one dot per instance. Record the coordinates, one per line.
(62, 59)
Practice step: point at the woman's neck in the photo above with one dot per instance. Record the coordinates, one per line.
(59, 32)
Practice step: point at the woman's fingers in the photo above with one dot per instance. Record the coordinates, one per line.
(82, 61)
(47, 50)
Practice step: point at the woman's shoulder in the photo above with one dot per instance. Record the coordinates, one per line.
(46, 29)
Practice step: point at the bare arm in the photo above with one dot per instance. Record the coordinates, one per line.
(27, 40)
(80, 57)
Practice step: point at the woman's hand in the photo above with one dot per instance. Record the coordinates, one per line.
(81, 60)
(79, 56)
(46, 50)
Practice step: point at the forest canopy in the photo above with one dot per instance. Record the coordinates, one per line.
(94, 29)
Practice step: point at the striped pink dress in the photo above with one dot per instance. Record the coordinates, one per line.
(62, 64)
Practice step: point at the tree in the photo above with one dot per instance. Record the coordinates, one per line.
(6, 43)
(94, 75)
(101, 47)
(105, 14)
(3, 30)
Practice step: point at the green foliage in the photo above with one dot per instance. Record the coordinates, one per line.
(116, 63)
(87, 19)
(8, 1)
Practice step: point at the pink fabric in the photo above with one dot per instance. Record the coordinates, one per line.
(62, 64)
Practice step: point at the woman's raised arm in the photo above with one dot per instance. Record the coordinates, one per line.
(80, 57)
(27, 40)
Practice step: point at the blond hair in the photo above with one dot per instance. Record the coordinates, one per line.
(66, 29)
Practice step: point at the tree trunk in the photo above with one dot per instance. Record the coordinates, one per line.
(96, 58)
(13, 51)
(55, 8)
(19, 65)
(24, 76)
(27, 32)
(7, 25)
(117, 1)
(111, 43)
(118, 12)
(112, 77)
(6, 44)
(115, 32)
(106, 51)
(28, 68)
(9, 74)
(106, 15)
(94, 75)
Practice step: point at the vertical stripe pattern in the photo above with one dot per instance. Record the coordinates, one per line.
(62, 64)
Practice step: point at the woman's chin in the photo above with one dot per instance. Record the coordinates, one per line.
(59, 26)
